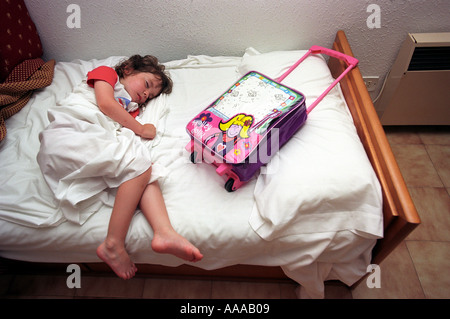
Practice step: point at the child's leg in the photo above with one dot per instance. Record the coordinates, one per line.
(112, 250)
(165, 238)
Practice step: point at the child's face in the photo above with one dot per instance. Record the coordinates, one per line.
(142, 86)
(234, 130)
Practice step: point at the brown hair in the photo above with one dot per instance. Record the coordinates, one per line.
(148, 63)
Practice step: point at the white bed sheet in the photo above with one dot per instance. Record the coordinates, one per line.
(221, 224)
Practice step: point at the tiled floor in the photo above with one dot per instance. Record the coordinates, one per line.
(109, 286)
(416, 269)
(419, 268)
(54, 285)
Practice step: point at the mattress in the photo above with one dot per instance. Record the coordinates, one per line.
(315, 209)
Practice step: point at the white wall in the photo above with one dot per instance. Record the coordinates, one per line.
(172, 29)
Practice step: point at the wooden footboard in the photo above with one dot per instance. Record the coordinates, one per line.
(399, 212)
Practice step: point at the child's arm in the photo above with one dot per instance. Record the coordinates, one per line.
(104, 94)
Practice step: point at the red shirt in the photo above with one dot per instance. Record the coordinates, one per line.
(108, 74)
(104, 73)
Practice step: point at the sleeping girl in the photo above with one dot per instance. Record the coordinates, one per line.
(75, 150)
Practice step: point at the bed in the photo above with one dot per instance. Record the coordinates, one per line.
(331, 203)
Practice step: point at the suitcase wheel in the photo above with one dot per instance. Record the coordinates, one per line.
(229, 185)
(194, 157)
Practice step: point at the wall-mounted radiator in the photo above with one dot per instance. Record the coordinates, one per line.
(417, 88)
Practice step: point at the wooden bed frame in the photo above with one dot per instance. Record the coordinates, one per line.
(399, 212)
(400, 215)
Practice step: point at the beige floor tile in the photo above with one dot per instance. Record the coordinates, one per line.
(40, 286)
(337, 290)
(5, 282)
(440, 156)
(288, 291)
(176, 289)
(109, 287)
(431, 260)
(438, 135)
(416, 166)
(433, 206)
(402, 135)
(245, 290)
(398, 279)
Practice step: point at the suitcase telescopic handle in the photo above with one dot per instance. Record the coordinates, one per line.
(315, 49)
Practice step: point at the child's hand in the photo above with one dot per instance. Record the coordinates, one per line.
(148, 131)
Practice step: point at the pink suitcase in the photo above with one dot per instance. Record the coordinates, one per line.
(241, 130)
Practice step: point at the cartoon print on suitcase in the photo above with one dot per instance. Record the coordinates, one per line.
(234, 125)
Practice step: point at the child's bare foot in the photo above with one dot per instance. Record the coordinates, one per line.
(171, 242)
(117, 259)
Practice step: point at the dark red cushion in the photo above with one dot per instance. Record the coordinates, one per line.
(19, 39)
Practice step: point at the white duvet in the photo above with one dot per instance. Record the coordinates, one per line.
(84, 154)
(315, 210)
